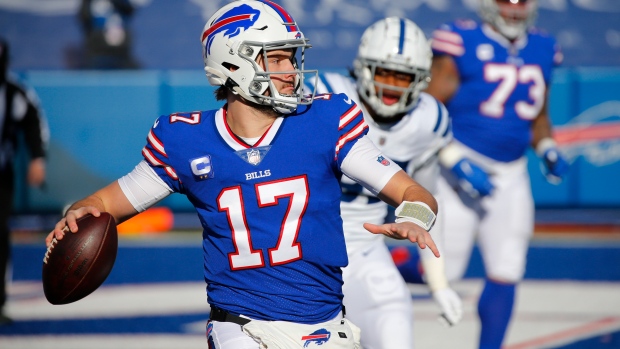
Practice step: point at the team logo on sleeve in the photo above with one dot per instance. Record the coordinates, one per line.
(318, 337)
(383, 161)
(202, 168)
(253, 156)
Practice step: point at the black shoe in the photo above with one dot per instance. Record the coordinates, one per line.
(5, 320)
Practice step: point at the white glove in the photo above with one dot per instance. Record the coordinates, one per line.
(451, 306)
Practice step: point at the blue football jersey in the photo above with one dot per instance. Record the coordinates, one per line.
(272, 233)
(502, 85)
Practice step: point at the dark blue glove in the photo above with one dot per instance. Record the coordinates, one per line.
(555, 166)
(472, 179)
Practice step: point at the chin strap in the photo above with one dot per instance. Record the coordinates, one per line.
(231, 85)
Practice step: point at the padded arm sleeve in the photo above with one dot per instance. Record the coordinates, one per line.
(143, 187)
(367, 166)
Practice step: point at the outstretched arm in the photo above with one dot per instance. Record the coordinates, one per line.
(416, 207)
(109, 199)
(123, 199)
(415, 213)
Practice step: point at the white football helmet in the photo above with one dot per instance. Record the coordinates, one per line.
(233, 38)
(396, 44)
(510, 20)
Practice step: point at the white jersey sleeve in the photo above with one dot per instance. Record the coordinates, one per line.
(143, 187)
(366, 165)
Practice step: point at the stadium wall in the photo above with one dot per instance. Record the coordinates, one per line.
(99, 121)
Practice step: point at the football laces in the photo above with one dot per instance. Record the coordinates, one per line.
(49, 250)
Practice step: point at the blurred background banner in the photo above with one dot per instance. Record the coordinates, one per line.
(47, 34)
(99, 119)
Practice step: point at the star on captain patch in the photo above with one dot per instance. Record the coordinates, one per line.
(253, 156)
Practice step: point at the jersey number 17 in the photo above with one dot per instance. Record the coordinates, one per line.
(287, 249)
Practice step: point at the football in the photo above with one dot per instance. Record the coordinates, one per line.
(78, 264)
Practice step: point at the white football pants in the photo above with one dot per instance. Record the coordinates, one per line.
(377, 299)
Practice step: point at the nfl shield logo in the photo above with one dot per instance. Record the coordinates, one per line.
(254, 156)
(383, 161)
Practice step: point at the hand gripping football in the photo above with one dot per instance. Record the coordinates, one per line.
(78, 264)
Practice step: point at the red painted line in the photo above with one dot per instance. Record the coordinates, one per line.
(567, 334)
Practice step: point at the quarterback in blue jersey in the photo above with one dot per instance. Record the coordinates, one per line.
(493, 77)
(263, 173)
(390, 71)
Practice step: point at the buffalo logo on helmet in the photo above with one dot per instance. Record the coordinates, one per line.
(231, 24)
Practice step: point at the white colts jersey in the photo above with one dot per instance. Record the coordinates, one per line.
(412, 142)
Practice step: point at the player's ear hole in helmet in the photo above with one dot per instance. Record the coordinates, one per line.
(235, 36)
(397, 47)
